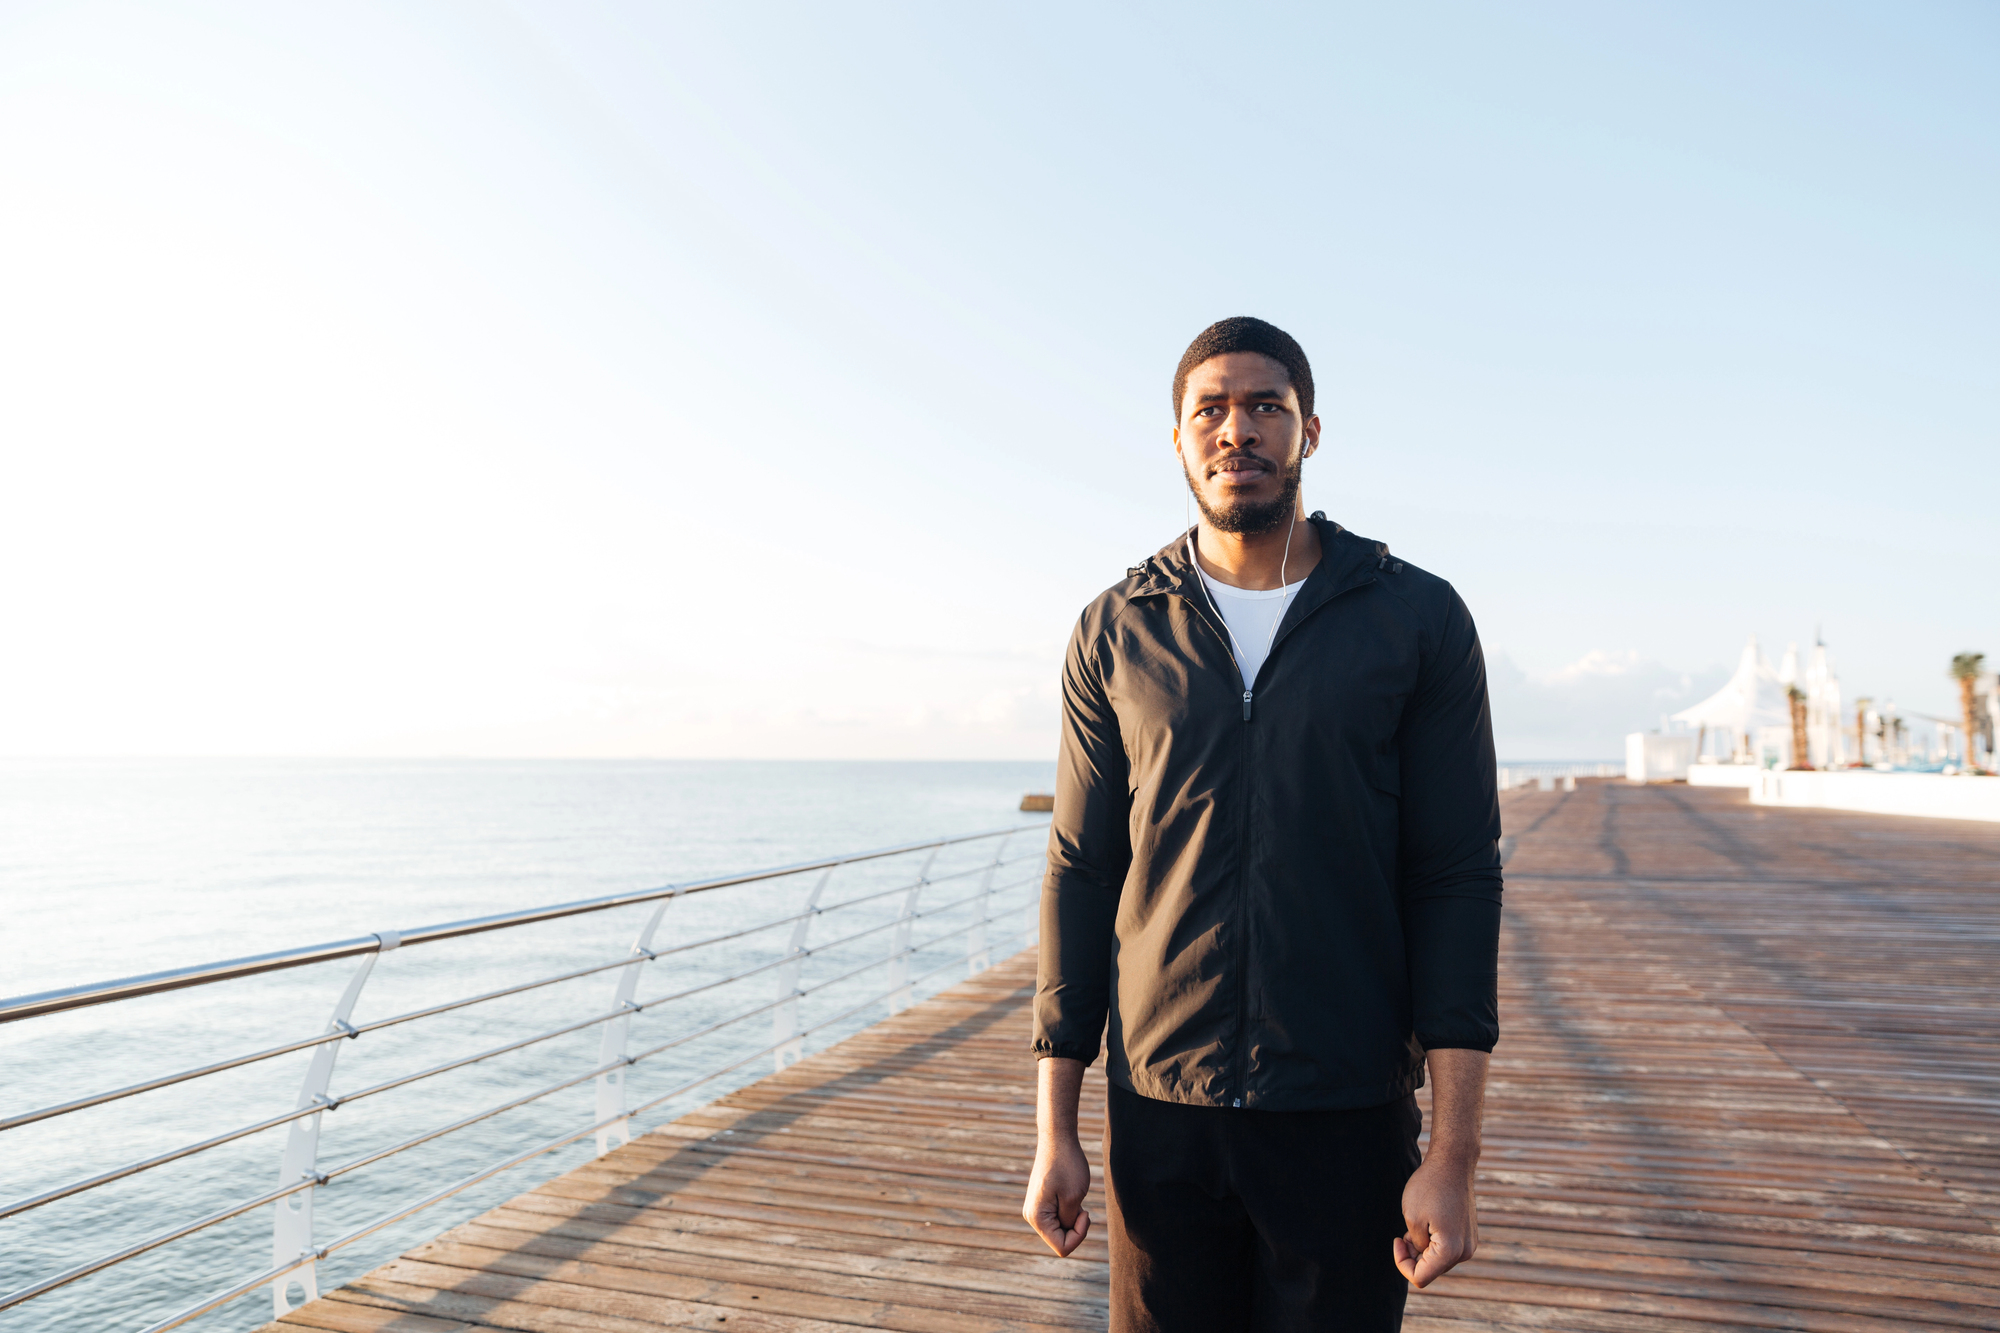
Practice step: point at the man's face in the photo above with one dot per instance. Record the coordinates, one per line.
(1241, 441)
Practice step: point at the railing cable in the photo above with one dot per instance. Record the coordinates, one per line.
(246, 1287)
(153, 983)
(49, 1002)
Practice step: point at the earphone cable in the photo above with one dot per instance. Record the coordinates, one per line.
(1284, 563)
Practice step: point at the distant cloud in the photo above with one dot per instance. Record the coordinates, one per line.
(1585, 709)
(1599, 662)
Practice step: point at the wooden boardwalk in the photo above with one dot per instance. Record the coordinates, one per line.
(1749, 1078)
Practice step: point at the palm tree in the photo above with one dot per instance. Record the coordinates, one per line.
(1801, 751)
(1965, 669)
(1861, 707)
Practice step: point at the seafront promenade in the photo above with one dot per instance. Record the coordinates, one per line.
(1749, 1078)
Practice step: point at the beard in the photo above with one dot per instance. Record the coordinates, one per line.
(1252, 518)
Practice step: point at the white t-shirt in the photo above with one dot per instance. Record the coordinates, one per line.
(1252, 616)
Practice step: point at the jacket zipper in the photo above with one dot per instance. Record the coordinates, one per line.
(1248, 694)
(1233, 1094)
(1240, 1071)
(1240, 1059)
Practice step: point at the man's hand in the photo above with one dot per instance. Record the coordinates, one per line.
(1054, 1206)
(1438, 1207)
(1443, 1225)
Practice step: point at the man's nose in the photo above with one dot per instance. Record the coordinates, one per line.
(1239, 430)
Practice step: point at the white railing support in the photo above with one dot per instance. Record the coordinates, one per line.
(977, 956)
(617, 1034)
(785, 1018)
(899, 951)
(292, 1225)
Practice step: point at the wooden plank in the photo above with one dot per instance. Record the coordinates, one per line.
(1749, 1079)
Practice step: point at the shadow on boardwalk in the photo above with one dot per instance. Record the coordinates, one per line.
(1748, 1079)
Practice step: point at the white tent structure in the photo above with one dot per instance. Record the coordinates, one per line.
(1826, 728)
(1788, 669)
(1754, 697)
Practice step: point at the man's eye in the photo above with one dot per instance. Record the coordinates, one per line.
(1267, 407)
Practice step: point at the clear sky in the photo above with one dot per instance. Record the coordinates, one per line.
(780, 380)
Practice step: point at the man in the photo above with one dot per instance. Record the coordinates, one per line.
(1274, 867)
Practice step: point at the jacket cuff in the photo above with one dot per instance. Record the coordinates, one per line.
(1066, 1050)
(1463, 1041)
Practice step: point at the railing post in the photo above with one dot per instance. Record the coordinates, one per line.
(1032, 935)
(292, 1227)
(617, 1033)
(785, 1018)
(977, 956)
(899, 951)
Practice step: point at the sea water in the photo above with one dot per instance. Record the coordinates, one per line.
(116, 868)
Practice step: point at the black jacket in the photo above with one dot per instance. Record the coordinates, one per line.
(1279, 901)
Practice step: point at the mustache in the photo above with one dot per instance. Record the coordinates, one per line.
(1241, 463)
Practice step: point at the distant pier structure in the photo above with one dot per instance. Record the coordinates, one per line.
(1748, 1078)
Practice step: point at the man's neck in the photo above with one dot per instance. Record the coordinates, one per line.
(1258, 560)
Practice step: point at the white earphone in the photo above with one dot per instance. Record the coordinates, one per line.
(1284, 563)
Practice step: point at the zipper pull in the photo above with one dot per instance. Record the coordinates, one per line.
(1246, 705)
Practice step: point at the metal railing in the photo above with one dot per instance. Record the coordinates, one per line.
(295, 1249)
(1549, 776)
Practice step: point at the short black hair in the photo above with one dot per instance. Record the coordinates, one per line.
(1242, 333)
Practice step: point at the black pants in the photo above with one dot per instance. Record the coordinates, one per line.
(1256, 1220)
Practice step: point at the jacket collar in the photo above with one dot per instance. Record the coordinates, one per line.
(1345, 562)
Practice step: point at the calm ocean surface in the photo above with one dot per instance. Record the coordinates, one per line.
(113, 868)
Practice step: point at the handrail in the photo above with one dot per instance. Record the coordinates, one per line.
(360, 1029)
(237, 1062)
(319, 1097)
(83, 1270)
(201, 974)
(23, 1205)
